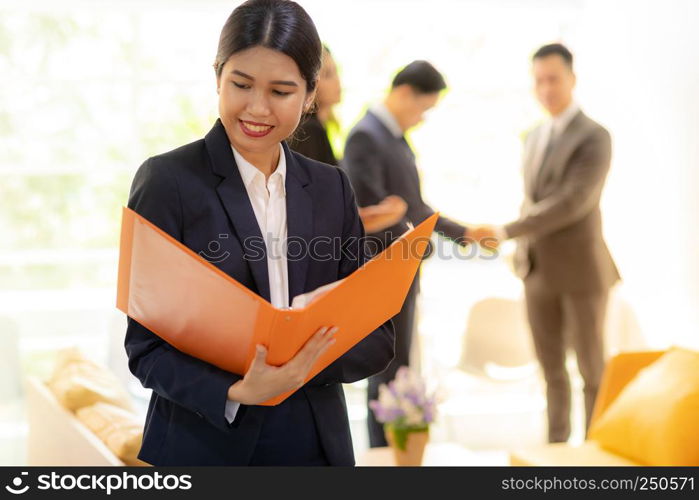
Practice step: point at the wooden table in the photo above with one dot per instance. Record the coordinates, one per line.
(436, 454)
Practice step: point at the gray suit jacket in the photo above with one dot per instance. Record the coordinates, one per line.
(559, 231)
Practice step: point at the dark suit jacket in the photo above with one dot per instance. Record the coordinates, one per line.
(380, 164)
(196, 194)
(560, 228)
(311, 140)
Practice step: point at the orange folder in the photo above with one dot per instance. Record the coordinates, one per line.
(202, 311)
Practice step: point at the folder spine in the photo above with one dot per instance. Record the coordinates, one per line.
(125, 248)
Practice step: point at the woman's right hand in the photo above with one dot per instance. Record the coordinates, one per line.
(263, 381)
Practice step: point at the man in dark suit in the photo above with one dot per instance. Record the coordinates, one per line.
(197, 195)
(561, 254)
(380, 163)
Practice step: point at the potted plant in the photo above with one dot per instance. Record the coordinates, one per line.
(406, 409)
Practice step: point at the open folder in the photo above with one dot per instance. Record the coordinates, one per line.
(202, 311)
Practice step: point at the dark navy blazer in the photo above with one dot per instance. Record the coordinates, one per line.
(196, 194)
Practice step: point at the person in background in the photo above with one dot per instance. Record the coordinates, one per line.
(311, 140)
(380, 163)
(561, 254)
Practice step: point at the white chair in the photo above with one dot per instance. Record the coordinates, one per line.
(497, 343)
(56, 436)
(494, 398)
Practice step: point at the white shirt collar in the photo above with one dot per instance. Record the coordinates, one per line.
(386, 117)
(250, 172)
(563, 119)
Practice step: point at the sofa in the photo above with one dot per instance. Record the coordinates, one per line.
(621, 373)
(81, 416)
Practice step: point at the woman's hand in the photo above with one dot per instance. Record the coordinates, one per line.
(263, 381)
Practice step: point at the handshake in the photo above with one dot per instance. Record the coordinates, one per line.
(392, 209)
(487, 236)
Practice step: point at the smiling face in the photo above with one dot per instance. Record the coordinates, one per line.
(261, 97)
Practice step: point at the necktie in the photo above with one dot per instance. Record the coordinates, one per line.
(547, 151)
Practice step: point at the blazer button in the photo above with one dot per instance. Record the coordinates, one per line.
(199, 414)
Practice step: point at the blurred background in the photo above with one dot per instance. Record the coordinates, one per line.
(92, 89)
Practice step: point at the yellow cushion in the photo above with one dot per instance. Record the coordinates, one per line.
(119, 429)
(79, 382)
(655, 418)
(563, 454)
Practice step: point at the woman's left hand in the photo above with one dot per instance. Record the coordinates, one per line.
(264, 381)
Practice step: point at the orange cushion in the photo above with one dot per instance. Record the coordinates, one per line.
(120, 430)
(77, 382)
(655, 418)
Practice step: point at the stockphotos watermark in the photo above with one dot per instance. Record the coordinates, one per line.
(100, 482)
(325, 248)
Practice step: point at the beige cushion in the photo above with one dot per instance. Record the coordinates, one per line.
(119, 429)
(78, 382)
(562, 454)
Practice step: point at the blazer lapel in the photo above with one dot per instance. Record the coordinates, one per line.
(299, 223)
(236, 202)
(556, 162)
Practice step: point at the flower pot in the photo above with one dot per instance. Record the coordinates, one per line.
(408, 444)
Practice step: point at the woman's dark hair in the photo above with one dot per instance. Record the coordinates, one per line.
(280, 25)
(421, 76)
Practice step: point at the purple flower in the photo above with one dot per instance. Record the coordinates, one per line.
(404, 401)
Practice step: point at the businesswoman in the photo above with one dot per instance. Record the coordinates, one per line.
(311, 140)
(240, 183)
(311, 136)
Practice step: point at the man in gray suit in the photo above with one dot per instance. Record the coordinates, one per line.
(380, 163)
(561, 254)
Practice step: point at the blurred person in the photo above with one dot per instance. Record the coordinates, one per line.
(380, 163)
(311, 137)
(243, 180)
(561, 254)
(311, 140)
